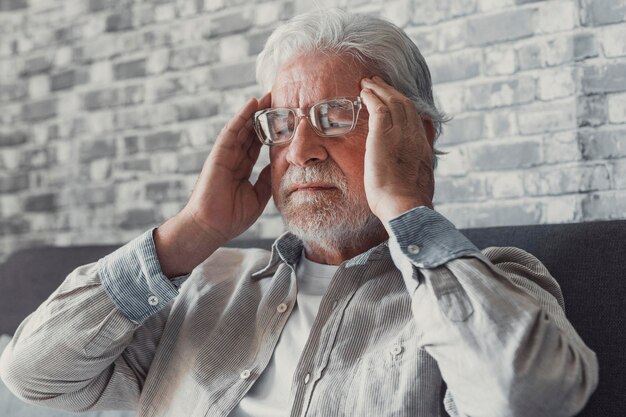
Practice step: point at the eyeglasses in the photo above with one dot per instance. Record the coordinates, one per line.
(334, 117)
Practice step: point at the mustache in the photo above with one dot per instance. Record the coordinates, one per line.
(327, 172)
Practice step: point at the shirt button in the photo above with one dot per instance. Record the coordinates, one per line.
(245, 374)
(281, 308)
(396, 350)
(413, 249)
(306, 378)
(153, 300)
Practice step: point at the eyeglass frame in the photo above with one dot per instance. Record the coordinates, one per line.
(301, 112)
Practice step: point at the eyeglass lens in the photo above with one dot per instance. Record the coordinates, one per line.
(329, 118)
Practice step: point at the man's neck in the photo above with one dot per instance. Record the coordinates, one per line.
(325, 254)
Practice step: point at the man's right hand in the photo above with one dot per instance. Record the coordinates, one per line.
(224, 203)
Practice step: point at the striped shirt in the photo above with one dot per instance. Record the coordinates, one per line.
(422, 325)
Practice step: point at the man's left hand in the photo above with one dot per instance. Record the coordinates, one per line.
(398, 152)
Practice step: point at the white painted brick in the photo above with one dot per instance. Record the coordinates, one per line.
(426, 39)
(461, 7)
(556, 83)
(9, 70)
(69, 105)
(164, 12)
(500, 123)
(100, 169)
(169, 209)
(427, 12)
(101, 72)
(233, 48)
(562, 209)
(454, 163)
(612, 40)
(159, 115)
(213, 5)
(157, 61)
(617, 108)
(397, 11)
(164, 163)
(99, 122)
(492, 5)
(10, 205)
(567, 179)
(506, 185)
(455, 66)
(501, 93)
(39, 86)
(129, 193)
(545, 52)
(200, 135)
(605, 205)
(452, 35)
(556, 16)
(267, 13)
(11, 158)
(516, 212)
(186, 8)
(93, 26)
(450, 98)
(39, 222)
(561, 147)
(63, 56)
(64, 152)
(619, 174)
(189, 182)
(11, 113)
(558, 51)
(39, 134)
(500, 60)
(547, 116)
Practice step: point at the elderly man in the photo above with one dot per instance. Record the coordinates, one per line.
(372, 304)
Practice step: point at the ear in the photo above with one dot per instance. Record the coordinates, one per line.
(430, 130)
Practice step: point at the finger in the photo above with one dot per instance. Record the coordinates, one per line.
(401, 106)
(252, 156)
(246, 133)
(263, 186)
(379, 121)
(265, 101)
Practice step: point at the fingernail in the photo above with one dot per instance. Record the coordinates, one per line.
(377, 78)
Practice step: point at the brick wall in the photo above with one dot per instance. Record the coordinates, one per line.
(108, 108)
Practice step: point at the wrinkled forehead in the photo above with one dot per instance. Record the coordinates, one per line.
(311, 77)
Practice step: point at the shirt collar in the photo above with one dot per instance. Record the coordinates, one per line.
(288, 248)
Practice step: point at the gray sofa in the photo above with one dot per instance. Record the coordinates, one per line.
(587, 259)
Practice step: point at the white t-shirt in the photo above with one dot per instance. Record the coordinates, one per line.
(269, 396)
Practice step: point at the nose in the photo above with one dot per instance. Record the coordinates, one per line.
(306, 147)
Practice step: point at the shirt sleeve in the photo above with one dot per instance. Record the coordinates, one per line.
(493, 320)
(90, 345)
(132, 277)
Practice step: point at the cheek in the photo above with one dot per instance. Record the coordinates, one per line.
(351, 162)
(279, 166)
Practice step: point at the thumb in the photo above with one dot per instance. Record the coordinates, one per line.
(263, 186)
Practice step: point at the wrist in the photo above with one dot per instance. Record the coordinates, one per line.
(181, 245)
(395, 207)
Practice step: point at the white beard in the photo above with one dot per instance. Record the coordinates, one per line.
(334, 219)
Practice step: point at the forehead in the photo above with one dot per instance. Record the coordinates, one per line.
(311, 77)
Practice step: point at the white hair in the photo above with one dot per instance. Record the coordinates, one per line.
(373, 42)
